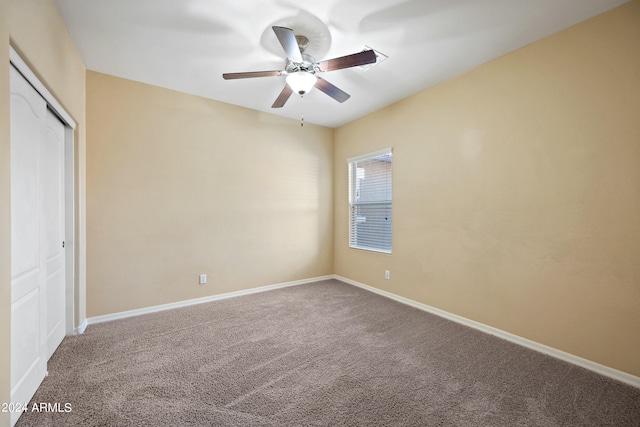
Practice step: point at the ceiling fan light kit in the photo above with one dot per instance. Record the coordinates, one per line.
(301, 70)
(301, 82)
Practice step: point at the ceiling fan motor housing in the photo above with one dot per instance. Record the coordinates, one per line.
(307, 64)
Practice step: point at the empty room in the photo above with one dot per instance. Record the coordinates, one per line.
(269, 213)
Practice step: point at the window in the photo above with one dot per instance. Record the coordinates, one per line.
(370, 201)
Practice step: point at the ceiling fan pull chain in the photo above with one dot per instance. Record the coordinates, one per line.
(302, 112)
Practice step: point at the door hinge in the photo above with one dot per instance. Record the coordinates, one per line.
(63, 243)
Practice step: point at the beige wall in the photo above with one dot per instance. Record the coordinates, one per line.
(517, 192)
(35, 29)
(179, 185)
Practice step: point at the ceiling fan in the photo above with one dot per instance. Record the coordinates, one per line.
(301, 70)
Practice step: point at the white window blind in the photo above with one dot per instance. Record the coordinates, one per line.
(370, 201)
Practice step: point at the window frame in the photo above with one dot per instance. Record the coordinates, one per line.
(355, 206)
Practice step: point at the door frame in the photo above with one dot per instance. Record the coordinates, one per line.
(75, 243)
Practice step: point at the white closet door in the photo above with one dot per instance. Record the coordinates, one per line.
(53, 215)
(28, 274)
(37, 232)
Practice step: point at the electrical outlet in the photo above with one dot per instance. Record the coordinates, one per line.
(203, 279)
(387, 274)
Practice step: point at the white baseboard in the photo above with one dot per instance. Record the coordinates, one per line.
(80, 329)
(156, 308)
(624, 377)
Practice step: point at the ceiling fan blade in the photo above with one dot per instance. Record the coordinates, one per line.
(251, 74)
(353, 60)
(289, 43)
(283, 97)
(331, 90)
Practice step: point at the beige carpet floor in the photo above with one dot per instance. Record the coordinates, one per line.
(319, 354)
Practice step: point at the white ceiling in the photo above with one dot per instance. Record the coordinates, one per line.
(186, 45)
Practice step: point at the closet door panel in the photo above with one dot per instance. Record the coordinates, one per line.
(53, 222)
(28, 241)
